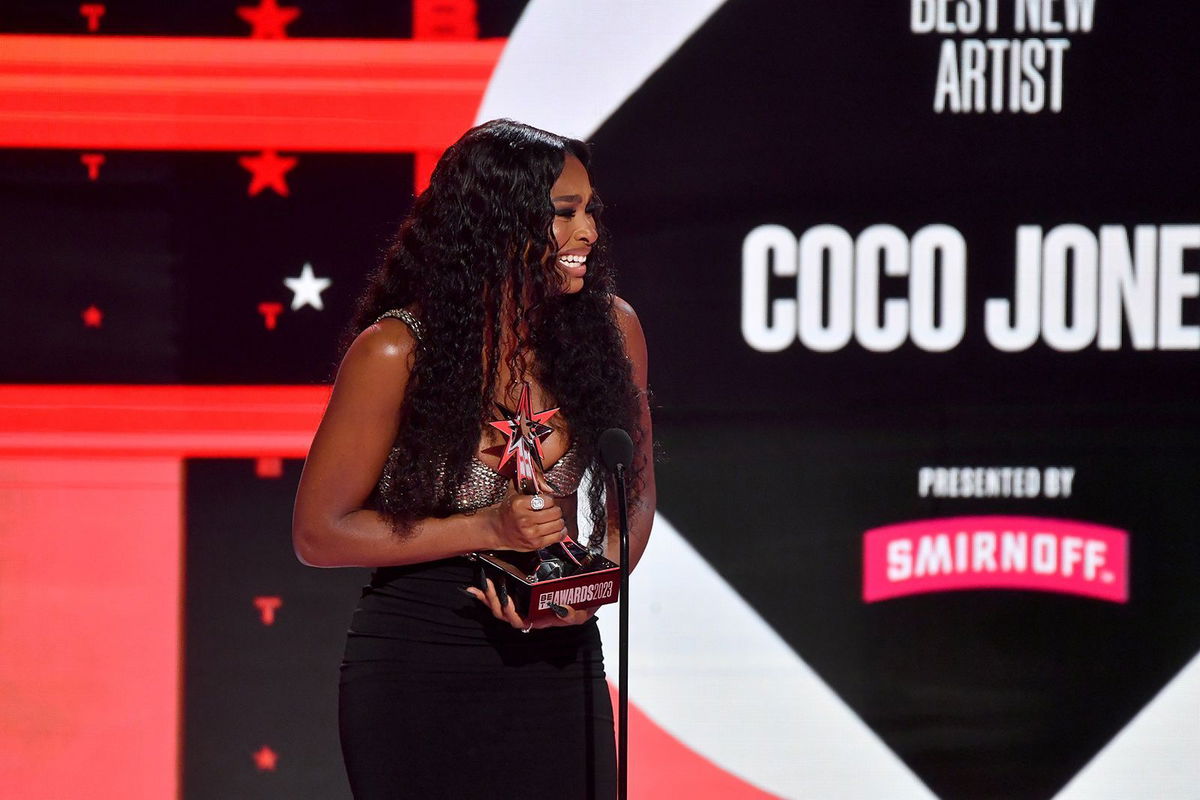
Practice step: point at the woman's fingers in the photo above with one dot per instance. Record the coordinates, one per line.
(510, 614)
(547, 516)
(553, 528)
(542, 534)
(502, 607)
(478, 595)
(498, 602)
(505, 609)
(524, 529)
(547, 500)
(566, 615)
(536, 540)
(487, 597)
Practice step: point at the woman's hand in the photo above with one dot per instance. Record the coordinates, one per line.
(502, 608)
(519, 527)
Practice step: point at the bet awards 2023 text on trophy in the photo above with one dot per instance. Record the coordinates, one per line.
(563, 574)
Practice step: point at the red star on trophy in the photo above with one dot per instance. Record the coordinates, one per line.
(525, 431)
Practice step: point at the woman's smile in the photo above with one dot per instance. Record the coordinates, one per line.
(573, 263)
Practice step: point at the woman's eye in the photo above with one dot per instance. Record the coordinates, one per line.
(565, 212)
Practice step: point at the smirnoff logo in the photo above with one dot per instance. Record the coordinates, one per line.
(995, 552)
(576, 594)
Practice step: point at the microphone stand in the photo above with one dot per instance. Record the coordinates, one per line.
(623, 666)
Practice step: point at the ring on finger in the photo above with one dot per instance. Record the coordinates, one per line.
(537, 502)
(527, 628)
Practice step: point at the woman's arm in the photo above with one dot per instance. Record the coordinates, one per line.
(641, 512)
(330, 526)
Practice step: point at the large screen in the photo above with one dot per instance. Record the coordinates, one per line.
(921, 288)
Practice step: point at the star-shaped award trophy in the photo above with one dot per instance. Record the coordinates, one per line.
(525, 431)
(564, 574)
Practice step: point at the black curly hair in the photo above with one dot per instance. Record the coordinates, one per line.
(480, 239)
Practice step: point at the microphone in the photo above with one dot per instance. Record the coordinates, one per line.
(616, 449)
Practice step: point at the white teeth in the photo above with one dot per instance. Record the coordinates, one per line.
(573, 259)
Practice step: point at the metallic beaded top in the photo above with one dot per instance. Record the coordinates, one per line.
(408, 318)
(484, 486)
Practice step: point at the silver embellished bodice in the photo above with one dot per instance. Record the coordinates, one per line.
(483, 485)
(408, 318)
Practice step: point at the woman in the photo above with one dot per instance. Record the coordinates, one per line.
(496, 280)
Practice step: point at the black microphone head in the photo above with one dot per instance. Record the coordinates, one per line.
(616, 448)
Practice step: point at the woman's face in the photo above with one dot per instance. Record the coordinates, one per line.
(574, 226)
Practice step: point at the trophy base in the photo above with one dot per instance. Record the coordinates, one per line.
(597, 583)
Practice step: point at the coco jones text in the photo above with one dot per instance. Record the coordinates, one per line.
(1074, 288)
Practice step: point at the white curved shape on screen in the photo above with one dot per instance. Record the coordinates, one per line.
(569, 64)
(1156, 755)
(710, 671)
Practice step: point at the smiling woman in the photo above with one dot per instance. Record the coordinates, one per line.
(496, 289)
(575, 210)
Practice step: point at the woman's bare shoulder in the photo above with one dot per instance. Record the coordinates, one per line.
(624, 311)
(628, 322)
(387, 338)
(381, 356)
(635, 339)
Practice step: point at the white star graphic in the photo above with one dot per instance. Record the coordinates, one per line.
(307, 288)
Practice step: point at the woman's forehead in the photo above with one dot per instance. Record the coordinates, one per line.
(573, 180)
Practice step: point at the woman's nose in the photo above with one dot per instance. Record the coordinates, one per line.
(586, 232)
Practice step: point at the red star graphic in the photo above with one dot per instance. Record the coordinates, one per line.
(268, 169)
(525, 431)
(92, 317)
(265, 759)
(268, 19)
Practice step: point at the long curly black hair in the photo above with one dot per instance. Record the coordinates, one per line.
(480, 239)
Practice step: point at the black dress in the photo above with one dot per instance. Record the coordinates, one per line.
(437, 698)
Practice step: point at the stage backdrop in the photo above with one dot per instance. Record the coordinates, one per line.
(921, 286)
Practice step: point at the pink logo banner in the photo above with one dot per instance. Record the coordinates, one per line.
(996, 552)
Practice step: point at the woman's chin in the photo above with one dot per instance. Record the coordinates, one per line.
(570, 285)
